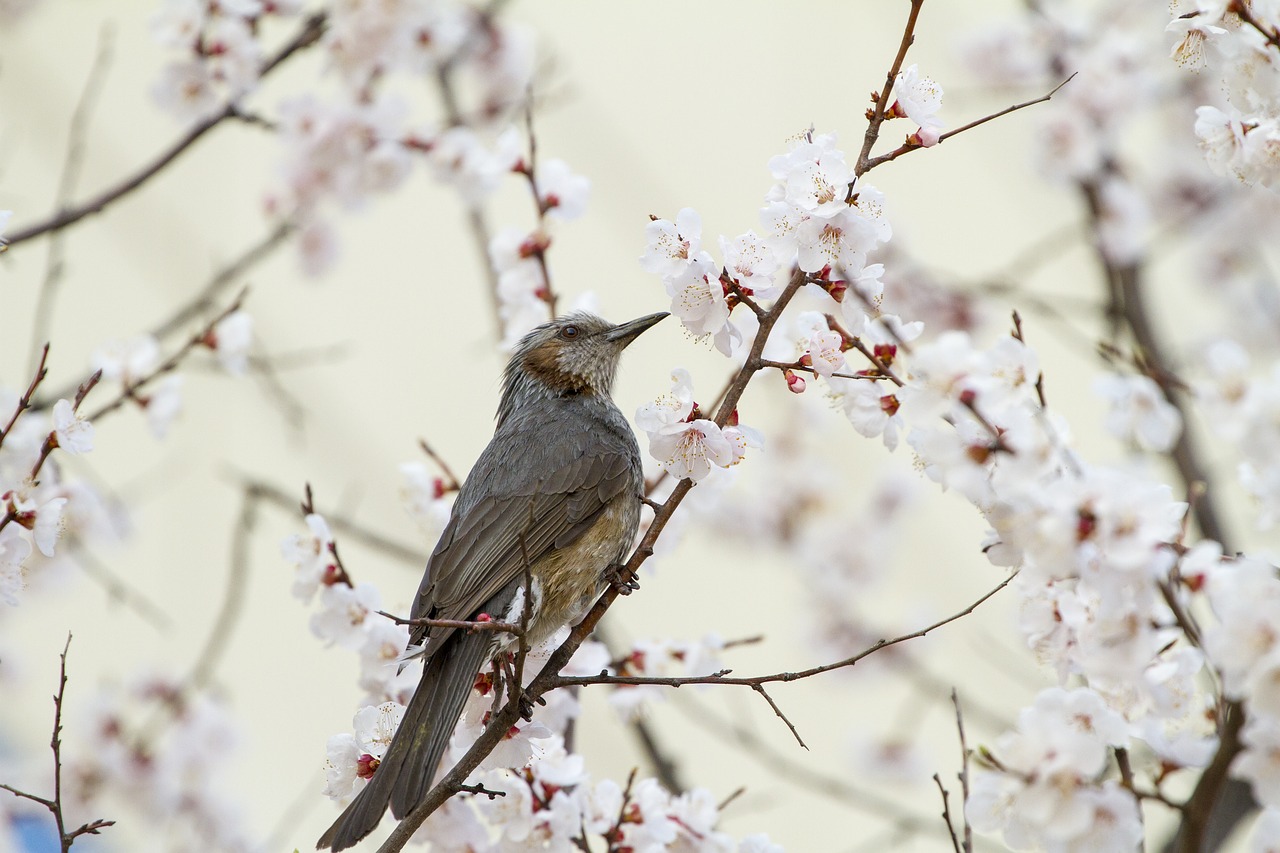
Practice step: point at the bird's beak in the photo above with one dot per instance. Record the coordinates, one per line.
(625, 333)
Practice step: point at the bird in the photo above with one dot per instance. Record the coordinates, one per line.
(558, 489)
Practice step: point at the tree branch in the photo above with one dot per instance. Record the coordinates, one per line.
(310, 33)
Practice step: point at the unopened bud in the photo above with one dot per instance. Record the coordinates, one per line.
(366, 766)
(968, 396)
(925, 137)
(795, 384)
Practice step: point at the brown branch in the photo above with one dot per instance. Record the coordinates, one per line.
(752, 681)
(1242, 10)
(964, 772)
(24, 402)
(946, 813)
(908, 147)
(457, 624)
(877, 116)
(1197, 812)
(310, 33)
(774, 705)
(65, 839)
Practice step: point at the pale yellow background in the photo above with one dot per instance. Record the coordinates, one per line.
(662, 105)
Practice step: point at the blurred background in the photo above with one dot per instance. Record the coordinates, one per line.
(661, 106)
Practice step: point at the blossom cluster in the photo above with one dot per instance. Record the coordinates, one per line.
(1105, 583)
(1240, 132)
(37, 506)
(685, 440)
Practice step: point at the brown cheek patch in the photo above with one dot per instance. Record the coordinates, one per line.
(543, 363)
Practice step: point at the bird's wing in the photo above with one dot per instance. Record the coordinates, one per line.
(480, 551)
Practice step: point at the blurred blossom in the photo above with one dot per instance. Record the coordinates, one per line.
(74, 433)
(1139, 411)
(232, 336)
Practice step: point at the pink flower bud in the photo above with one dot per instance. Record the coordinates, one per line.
(795, 384)
(366, 765)
(925, 137)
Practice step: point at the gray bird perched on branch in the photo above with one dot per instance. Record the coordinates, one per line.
(557, 491)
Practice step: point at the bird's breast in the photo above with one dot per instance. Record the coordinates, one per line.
(568, 580)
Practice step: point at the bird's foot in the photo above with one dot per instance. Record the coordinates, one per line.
(622, 579)
(527, 704)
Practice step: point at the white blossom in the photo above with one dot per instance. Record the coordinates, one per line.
(74, 433)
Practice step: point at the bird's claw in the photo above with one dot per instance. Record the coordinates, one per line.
(622, 579)
(527, 704)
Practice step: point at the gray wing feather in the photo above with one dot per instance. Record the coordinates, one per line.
(480, 551)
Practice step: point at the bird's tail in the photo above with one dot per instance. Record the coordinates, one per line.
(404, 775)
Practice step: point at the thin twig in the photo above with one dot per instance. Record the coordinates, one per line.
(753, 681)
(877, 116)
(24, 402)
(964, 771)
(456, 624)
(65, 839)
(759, 688)
(908, 147)
(46, 448)
(72, 164)
(451, 482)
(946, 813)
(233, 600)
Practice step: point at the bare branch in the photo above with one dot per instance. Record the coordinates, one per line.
(310, 33)
(753, 681)
(909, 146)
(946, 813)
(877, 113)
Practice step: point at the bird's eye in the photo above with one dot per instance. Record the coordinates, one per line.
(569, 332)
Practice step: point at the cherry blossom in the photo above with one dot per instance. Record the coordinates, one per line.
(74, 433)
(345, 611)
(916, 97)
(232, 336)
(127, 361)
(310, 555)
(561, 192)
(1139, 412)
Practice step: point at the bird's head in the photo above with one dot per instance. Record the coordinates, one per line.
(576, 354)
